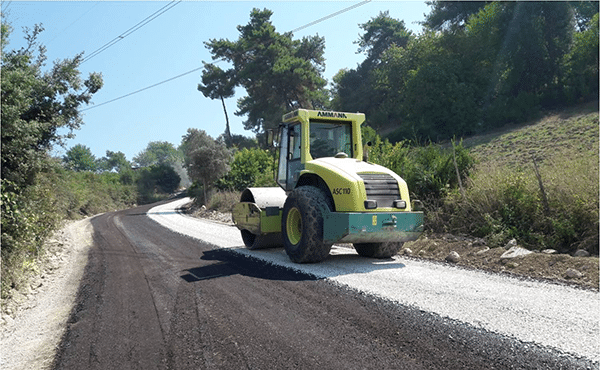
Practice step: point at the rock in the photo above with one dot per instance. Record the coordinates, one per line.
(483, 250)
(511, 244)
(571, 273)
(581, 253)
(512, 264)
(549, 251)
(515, 252)
(453, 257)
(203, 207)
(478, 242)
(407, 251)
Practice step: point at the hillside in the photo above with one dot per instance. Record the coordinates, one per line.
(553, 136)
(565, 146)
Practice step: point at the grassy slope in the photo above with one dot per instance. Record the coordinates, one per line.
(556, 135)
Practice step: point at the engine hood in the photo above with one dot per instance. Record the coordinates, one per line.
(350, 167)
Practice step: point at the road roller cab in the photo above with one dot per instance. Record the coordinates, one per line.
(328, 194)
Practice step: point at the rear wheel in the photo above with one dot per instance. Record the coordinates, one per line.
(378, 250)
(302, 225)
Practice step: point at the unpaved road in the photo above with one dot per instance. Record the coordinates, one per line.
(161, 290)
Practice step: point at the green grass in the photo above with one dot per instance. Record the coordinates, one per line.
(575, 130)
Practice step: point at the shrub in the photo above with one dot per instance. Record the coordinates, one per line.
(250, 167)
(429, 170)
(503, 203)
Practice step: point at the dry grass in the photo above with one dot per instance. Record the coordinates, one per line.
(504, 198)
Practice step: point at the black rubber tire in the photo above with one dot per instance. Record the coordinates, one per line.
(253, 241)
(310, 202)
(378, 250)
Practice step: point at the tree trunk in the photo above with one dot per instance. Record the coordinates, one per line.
(229, 139)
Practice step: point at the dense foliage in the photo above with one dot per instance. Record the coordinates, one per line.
(249, 168)
(477, 67)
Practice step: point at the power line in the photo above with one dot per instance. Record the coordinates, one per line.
(145, 88)
(220, 60)
(6, 7)
(330, 16)
(131, 30)
(75, 21)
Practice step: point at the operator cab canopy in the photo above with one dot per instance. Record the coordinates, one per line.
(307, 134)
(322, 134)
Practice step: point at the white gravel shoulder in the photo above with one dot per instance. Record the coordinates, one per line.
(29, 340)
(564, 318)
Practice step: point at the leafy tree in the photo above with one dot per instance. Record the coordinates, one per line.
(379, 34)
(36, 104)
(581, 64)
(114, 161)
(218, 84)
(356, 89)
(206, 159)
(157, 152)
(451, 15)
(80, 158)
(522, 44)
(584, 12)
(157, 178)
(278, 73)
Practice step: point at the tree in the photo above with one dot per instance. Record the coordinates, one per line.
(157, 152)
(521, 45)
(451, 15)
(357, 89)
(206, 159)
(114, 161)
(38, 105)
(218, 84)
(158, 178)
(80, 158)
(379, 34)
(581, 64)
(278, 73)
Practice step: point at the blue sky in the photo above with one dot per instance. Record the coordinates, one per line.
(170, 45)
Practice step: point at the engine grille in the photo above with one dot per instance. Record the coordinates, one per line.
(381, 187)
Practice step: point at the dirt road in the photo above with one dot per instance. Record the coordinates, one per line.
(152, 298)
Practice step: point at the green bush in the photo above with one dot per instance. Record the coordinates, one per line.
(429, 170)
(250, 167)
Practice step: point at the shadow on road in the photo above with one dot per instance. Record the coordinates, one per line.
(232, 263)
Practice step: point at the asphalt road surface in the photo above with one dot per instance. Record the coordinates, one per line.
(162, 290)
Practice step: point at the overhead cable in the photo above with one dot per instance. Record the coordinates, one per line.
(139, 25)
(145, 88)
(220, 60)
(330, 16)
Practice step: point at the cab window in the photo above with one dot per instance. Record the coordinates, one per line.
(328, 139)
